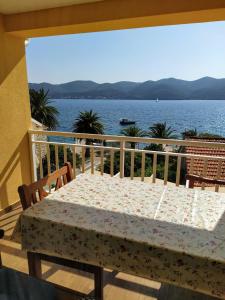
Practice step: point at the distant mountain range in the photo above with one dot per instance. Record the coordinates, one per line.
(205, 88)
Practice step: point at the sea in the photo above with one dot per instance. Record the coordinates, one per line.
(204, 115)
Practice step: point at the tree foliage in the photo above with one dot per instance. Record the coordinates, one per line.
(189, 133)
(88, 122)
(162, 131)
(61, 159)
(133, 131)
(41, 110)
(127, 164)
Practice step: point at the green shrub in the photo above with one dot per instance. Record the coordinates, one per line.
(61, 160)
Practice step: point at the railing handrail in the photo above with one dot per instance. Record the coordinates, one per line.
(121, 138)
(107, 148)
(37, 144)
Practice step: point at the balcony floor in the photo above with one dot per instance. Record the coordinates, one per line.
(117, 285)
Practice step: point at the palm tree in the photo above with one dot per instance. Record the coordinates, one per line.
(188, 133)
(88, 122)
(41, 110)
(133, 131)
(160, 130)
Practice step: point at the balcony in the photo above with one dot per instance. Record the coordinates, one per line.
(28, 19)
(50, 149)
(152, 160)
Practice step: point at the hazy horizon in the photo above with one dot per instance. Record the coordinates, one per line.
(127, 80)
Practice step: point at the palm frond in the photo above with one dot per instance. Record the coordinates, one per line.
(42, 110)
(160, 130)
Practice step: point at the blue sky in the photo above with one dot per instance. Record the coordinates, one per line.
(185, 51)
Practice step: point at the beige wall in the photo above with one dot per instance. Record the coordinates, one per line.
(14, 118)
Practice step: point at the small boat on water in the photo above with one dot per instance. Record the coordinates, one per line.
(125, 121)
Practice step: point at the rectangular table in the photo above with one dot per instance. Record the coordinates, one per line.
(168, 234)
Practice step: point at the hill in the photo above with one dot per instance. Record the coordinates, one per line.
(205, 88)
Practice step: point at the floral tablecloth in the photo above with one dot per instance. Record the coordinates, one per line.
(169, 234)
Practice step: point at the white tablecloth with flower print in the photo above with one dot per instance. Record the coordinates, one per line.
(169, 234)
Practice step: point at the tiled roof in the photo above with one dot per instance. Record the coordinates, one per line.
(212, 167)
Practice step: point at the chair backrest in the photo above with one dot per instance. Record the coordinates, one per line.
(31, 194)
(195, 178)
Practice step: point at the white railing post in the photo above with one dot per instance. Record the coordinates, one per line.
(218, 175)
(92, 160)
(143, 166)
(33, 162)
(40, 161)
(83, 159)
(132, 165)
(111, 162)
(166, 169)
(48, 159)
(204, 173)
(102, 160)
(178, 171)
(74, 162)
(122, 158)
(65, 154)
(154, 168)
(56, 157)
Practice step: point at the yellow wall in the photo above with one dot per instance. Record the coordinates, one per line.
(14, 118)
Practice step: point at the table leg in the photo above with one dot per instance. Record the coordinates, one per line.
(98, 278)
(34, 264)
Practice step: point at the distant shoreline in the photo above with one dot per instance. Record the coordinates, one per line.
(205, 88)
(136, 99)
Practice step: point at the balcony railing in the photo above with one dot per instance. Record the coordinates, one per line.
(109, 145)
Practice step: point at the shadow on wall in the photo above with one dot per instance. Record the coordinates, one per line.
(16, 166)
(15, 118)
(12, 52)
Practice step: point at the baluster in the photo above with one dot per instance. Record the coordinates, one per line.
(112, 162)
(74, 162)
(65, 153)
(122, 158)
(166, 166)
(204, 172)
(132, 165)
(154, 167)
(48, 159)
(40, 161)
(33, 159)
(92, 160)
(178, 171)
(191, 165)
(143, 166)
(219, 169)
(102, 161)
(83, 159)
(56, 157)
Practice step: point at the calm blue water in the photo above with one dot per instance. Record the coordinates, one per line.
(205, 116)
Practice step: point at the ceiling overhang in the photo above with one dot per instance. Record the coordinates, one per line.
(112, 14)
(21, 6)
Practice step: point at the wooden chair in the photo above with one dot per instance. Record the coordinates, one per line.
(195, 178)
(36, 191)
(30, 194)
